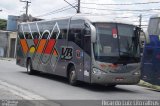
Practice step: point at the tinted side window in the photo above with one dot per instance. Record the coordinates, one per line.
(76, 36)
(35, 35)
(26, 31)
(45, 35)
(55, 33)
(34, 30)
(20, 32)
(46, 28)
(28, 35)
(75, 32)
(63, 26)
(21, 35)
(63, 34)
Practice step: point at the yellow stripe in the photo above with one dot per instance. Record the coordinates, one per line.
(32, 50)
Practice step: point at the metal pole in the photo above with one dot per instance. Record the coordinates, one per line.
(15, 47)
(27, 4)
(140, 20)
(78, 10)
(70, 4)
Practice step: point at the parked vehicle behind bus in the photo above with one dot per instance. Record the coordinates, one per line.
(151, 55)
(82, 48)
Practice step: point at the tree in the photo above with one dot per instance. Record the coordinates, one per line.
(3, 24)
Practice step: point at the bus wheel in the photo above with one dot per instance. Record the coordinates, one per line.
(30, 70)
(72, 76)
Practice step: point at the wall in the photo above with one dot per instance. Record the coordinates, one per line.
(12, 44)
(3, 43)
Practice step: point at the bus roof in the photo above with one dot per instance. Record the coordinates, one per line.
(89, 17)
(155, 16)
(100, 18)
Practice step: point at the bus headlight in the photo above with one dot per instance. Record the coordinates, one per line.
(98, 71)
(136, 73)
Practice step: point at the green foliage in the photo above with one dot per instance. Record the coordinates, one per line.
(3, 24)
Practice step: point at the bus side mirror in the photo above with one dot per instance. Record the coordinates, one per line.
(86, 32)
(90, 30)
(93, 33)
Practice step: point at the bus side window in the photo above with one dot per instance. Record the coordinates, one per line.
(20, 32)
(28, 35)
(75, 36)
(21, 36)
(71, 35)
(76, 32)
(35, 35)
(54, 35)
(63, 34)
(45, 35)
(78, 38)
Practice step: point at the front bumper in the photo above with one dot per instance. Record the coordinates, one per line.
(115, 78)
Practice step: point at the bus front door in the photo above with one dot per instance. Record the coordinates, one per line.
(87, 58)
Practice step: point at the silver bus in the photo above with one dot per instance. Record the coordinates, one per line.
(84, 48)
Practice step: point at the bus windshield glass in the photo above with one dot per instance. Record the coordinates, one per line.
(116, 43)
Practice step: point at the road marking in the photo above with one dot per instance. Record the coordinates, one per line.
(21, 92)
(26, 95)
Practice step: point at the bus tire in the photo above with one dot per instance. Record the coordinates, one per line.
(30, 70)
(72, 76)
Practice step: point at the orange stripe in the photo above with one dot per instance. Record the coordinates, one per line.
(41, 45)
(50, 46)
(24, 45)
(55, 52)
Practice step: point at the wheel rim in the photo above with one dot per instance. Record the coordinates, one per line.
(28, 68)
(72, 76)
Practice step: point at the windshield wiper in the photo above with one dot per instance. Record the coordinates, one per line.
(130, 55)
(125, 53)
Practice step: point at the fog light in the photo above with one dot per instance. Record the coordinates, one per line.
(136, 73)
(98, 71)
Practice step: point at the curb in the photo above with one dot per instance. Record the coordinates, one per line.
(149, 85)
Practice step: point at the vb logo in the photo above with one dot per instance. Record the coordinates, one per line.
(67, 53)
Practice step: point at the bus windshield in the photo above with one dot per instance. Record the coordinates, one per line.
(116, 43)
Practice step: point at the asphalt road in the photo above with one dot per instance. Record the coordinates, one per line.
(57, 88)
